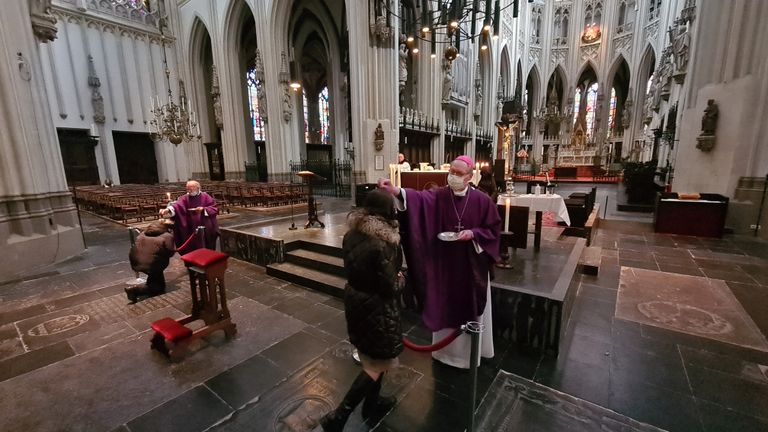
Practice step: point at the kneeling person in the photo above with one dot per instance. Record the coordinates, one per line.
(153, 249)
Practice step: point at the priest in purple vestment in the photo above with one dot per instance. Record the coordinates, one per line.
(454, 276)
(189, 211)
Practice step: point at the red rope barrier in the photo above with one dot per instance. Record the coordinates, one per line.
(186, 243)
(435, 346)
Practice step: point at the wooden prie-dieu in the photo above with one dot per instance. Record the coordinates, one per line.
(206, 270)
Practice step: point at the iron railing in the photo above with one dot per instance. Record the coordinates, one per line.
(337, 174)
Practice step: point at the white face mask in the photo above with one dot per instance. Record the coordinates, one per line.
(456, 183)
(194, 193)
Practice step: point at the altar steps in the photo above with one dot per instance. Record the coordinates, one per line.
(312, 265)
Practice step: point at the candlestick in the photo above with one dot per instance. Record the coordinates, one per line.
(168, 194)
(506, 215)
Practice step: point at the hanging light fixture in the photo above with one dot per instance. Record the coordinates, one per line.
(456, 20)
(173, 121)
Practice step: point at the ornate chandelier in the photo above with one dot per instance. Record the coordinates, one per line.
(173, 121)
(455, 19)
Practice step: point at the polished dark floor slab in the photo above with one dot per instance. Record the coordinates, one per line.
(671, 379)
(514, 404)
(298, 403)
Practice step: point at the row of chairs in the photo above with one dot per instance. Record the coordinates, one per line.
(142, 202)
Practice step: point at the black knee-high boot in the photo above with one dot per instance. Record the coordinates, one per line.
(377, 406)
(335, 420)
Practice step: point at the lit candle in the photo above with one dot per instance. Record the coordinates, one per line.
(397, 169)
(506, 215)
(168, 194)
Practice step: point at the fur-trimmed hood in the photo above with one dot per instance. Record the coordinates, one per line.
(374, 226)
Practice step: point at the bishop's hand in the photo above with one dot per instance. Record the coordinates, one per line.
(465, 235)
(387, 186)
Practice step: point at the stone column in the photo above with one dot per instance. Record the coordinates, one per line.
(38, 220)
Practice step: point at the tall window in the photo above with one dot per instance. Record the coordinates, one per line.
(612, 112)
(576, 104)
(253, 106)
(306, 117)
(325, 117)
(591, 105)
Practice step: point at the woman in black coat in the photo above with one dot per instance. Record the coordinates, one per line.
(372, 258)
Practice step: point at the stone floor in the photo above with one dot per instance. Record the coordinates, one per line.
(74, 355)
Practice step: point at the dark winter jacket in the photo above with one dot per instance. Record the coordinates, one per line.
(153, 249)
(372, 258)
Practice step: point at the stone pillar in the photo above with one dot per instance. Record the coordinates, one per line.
(38, 220)
(374, 90)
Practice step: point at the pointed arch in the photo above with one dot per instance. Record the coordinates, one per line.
(559, 80)
(643, 78)
(589, 68)
(617, 93)
(505, 72)
(239, 26)
(201, 62)
(531, 96)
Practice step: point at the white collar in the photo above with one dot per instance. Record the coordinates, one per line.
(461, 193)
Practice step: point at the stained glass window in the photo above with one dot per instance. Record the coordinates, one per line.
(576, 104)
(322, 103)
(591, 102)
(306, 117)
(612, 112)
(259, 134)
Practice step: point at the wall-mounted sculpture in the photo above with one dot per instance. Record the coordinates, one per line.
(381, 31)
(378, 138)
(216, 94)
(447, 80)
(681, 43)
(285, 79)
(43, 22)
(403, 65)
(478, 91)
(261, 94)
(97, 101)
(706, 140)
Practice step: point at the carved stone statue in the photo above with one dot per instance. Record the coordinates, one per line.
(43, 22)
(706, 140)
(378, 138)
(97, 101)
(98, 106)
(261, 93)
(447, 80)
(665, 72)
(403, 65)
(215, 93)
(681, 45)
(709, 120)
(287, 104)
(648, 108)
(626, 116)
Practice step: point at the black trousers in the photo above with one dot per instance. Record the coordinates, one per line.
(156, 282)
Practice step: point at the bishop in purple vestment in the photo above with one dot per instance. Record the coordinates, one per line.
(454, 275)
(189, 211)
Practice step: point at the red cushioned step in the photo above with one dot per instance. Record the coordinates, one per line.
(171, 330)
(203, 258)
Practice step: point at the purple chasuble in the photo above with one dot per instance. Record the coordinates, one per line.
(186, 221)
(452, 276)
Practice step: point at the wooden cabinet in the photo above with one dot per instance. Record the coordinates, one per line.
(704, 217)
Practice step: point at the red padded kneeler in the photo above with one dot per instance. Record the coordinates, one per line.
(203, 258)
(171, 330)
